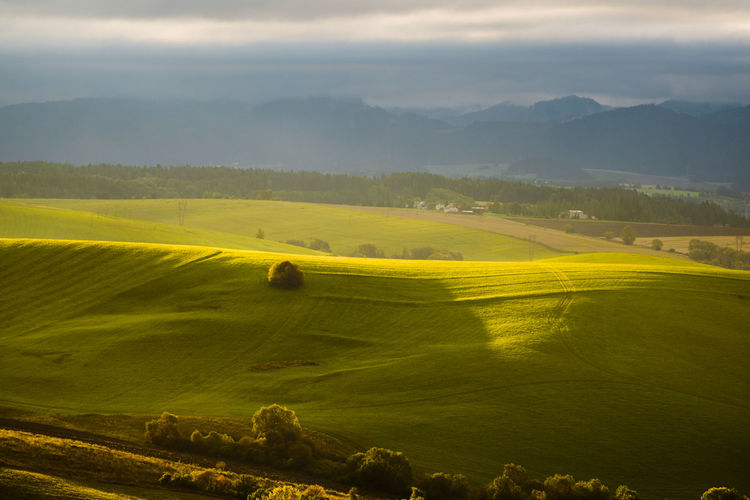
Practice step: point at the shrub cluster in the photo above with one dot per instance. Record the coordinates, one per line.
(212, 481)
(276, 438)
(369, 251)
(429, 253)
(314, 244)
(707, 252)
(381, 469)
(286, 275)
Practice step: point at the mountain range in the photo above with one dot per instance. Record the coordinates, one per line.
(704, 141)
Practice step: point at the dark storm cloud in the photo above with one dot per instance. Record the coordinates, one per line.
(429, 75)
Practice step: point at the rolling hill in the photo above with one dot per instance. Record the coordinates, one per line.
(210, 222)
(625, 367)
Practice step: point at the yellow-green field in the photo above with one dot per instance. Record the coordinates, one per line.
(624, 367)
(237, 221)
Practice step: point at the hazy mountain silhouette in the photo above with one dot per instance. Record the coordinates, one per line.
(555, 110)
(697, 108)
(333, 135)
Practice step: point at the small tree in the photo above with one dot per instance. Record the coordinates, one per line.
(657, 244)
(382, 469)
(569, 228)
(278, 420)
(318, 244)
(721, 493)
(368, 250)
(285, 275)
(609, 235)
(164, 430)
(260, 234)
(625, 493)
(628, 235)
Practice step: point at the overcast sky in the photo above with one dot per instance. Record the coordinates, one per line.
(413, 53)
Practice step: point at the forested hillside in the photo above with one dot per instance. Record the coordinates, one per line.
(54, 180)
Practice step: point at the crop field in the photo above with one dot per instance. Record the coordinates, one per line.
(344, 228)
(625, 367)
(681, 243)
(519, 228)
(24, 220)
(642, 229)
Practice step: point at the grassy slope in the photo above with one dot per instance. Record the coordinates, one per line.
(23, 220)
(343, 227)
(630, 368)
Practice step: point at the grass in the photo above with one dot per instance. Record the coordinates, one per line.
(27, 220)
(624, 367)
(344, 228)
(101, 472)
(682, 243)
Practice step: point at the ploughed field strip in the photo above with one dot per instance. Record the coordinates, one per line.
(622, 367)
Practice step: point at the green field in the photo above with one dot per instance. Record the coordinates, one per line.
(25, 220)
(628, 368)
(237, 221)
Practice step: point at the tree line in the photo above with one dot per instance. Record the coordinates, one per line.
(275, 437)
(105, 181)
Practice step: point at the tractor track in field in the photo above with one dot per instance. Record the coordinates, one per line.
(562, 307)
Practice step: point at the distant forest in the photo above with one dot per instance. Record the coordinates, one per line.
(54, 180)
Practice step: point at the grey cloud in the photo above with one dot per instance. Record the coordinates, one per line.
(421, 75)
(305, 9)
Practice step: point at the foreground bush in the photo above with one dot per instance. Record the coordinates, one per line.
(441, 486)
(164, 431)
(722, 494)
(276, 422)
(382, 469)
(286, 275)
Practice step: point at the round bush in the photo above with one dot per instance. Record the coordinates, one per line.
(277, 421)
(285, 274)
(382, 469)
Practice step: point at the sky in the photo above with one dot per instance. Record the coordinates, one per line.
(407, 53)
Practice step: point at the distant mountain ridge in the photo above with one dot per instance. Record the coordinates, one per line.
(331, 135)
(555, 110)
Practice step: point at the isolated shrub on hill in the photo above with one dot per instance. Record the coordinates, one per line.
(440, 486)
(286, 275)
(722, 493)
(628, 235)
(368, 250)
(164, 431)
(569, 228)
(381, 469)
(657, 244)
(270, 421)
(320, 245)
(625, 493)
(609, 235)
(260, 234)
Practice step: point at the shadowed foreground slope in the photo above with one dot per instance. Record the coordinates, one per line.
(628, 368)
